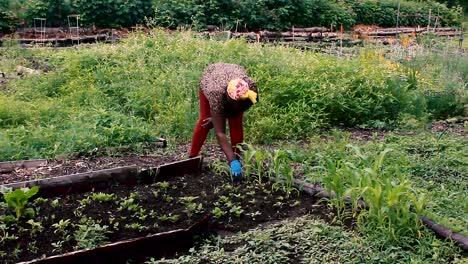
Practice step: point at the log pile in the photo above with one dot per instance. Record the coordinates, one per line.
(394, 32)
(322, 34)
(295, 34)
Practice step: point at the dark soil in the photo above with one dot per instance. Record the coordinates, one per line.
(60, 167)
(55, 168)
(241, 206)
(455, 127)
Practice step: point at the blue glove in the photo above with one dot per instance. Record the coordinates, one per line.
(236, 168)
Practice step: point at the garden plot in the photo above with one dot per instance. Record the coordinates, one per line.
(52, 226)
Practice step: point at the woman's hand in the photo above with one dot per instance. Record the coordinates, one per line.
(207, 123)
(236, 169)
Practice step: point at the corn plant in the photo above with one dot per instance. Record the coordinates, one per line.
(334, 183)
(392, 204)
(254, 160)
(281, 170)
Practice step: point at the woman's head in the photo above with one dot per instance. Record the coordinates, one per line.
(239, 89)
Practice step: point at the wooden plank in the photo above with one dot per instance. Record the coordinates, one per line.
(138, 249)
(188, 166)
(311, 29)
(80, 182)
(7, 166)
(446, 233)
(101, 179)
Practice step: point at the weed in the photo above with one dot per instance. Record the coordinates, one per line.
(220, 168)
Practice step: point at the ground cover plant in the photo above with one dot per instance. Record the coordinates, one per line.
(305, 240)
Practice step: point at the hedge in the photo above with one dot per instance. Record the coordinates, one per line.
(231, 14)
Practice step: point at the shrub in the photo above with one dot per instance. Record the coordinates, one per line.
(107, 13)
(384, 13)
(54, 11)
(7, 17)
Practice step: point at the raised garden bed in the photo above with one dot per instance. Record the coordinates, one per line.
(83, 220)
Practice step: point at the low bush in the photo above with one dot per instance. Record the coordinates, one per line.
(278, 15)
(106, 13)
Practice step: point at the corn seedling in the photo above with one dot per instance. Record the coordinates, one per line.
(392, 203)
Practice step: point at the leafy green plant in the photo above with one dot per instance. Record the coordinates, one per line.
(218, 212)
(4, 235)
(136, 226)
(62, 228)
(191, 207)
(236, 210)
(102, 197)
(169, 218)
(163, 185)
(90, 233)
(36, 227)
(128, 204)
(19, 199)
(123, 13)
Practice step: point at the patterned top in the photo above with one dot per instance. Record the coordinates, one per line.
(214, 82)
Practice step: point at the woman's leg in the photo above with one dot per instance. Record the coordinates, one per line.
(200, 133)
(236, 131)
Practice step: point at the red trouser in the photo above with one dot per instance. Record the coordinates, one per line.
(200, 133)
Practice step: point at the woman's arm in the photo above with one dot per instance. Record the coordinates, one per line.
(219, 124)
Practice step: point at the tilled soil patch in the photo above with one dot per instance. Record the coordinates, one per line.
(67, 223)
(60, 167)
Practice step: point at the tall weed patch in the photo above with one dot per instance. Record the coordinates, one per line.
(147, 86)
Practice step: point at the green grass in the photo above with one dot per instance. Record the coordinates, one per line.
(94, 97)
(308, 240)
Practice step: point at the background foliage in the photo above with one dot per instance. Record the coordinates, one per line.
(229, 14)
